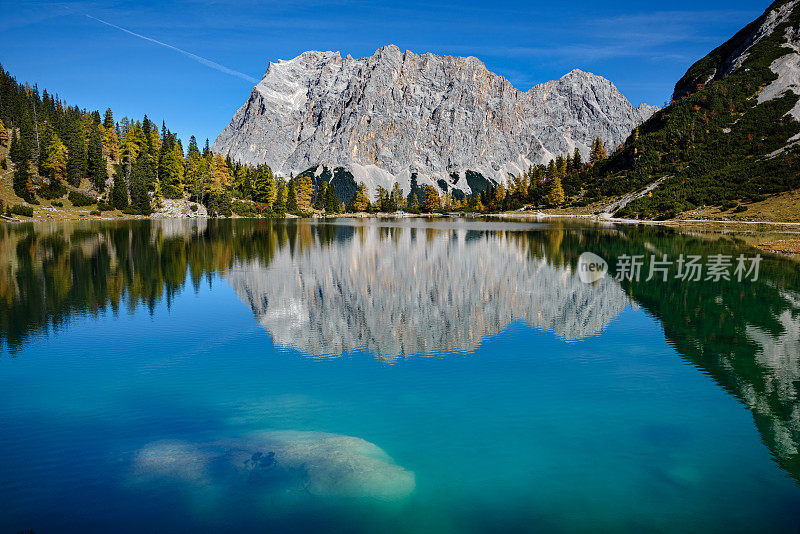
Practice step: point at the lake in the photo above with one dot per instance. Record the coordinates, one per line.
(386, 375)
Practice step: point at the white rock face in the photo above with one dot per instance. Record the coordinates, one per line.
(416, 291)
(732, 55)
(771, 20)
(788, 70)
(179, 209)
(396, 113)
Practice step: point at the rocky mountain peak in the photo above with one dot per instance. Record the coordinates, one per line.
(405, 117)
(731, 55)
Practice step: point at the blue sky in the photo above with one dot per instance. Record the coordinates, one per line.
(643, 47)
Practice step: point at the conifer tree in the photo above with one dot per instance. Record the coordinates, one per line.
(76, 153)
(499, 196)
(332, 204)
(95, 162)
(561, 165)
(193, 150)
(303, 190)
(577, 160)
(263, 184)
(22, 181)
(598, 151)
(3, 135)
(46, 140)
(383, 200)
(171, 168)
(108, 119)
(54, 158)
(398, 199)
(14, 148)
(109, 133)
(119, 190)
(413, 203)
(551, 171)
(322, 189)
(291, 197)
(279, 207)
(556, 193)
(359, 202)
(221, 173)
(141, 176)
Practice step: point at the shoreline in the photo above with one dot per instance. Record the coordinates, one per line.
(777, 243)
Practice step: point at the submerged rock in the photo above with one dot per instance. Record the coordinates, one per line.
(320, 463)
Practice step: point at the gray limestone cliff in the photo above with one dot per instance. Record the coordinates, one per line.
(396, 114)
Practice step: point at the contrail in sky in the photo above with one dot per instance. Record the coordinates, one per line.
(202, 60)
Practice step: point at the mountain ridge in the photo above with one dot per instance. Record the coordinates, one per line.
(731, 135)
(394, 115)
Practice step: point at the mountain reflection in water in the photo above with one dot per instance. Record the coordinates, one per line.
(403, 288)
(405, 291)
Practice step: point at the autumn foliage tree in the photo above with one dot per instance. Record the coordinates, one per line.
(304, 192)
(431, 202)
(360, 201)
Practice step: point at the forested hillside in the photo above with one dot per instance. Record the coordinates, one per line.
(727, 139)
(58, 153)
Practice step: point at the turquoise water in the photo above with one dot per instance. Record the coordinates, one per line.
(449, 376)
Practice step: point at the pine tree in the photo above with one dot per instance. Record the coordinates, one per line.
(76, 153)
(577, 160)
(413, 204)
(193, 150)
(95, 162)
(15, 146)
(551, 171)
(3, 135)
(119, 190)
(22, 180)
(263, 184)
(279, 206)
(398, 199)
(359, 202)
(598, 151)
(195, 174)
(141, 176)
(499, 196)
(332, 204)
(110, 140)
(170, 171)
(46, 140)
(556, 193)
(291, 197)
(54, 158)
(383, 200)
(108, 119)
(561, 165)
(303, 190)
(319, 201)
(221, 173)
